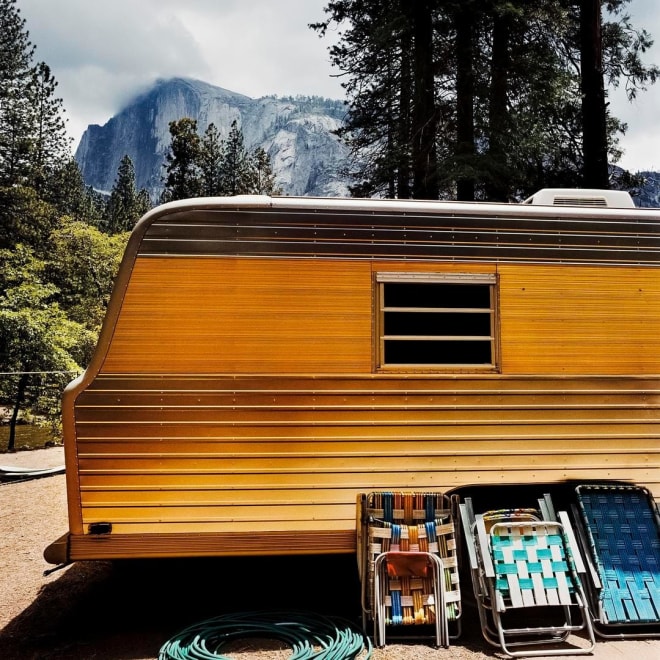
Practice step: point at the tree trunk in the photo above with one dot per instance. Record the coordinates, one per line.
(465, 152)
(424, 115)
(20, 396)
(498, 186)
(595, 172)
(392, 147)
(403, 137)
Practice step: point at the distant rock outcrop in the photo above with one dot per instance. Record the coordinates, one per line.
(648, 194)
(297, 133)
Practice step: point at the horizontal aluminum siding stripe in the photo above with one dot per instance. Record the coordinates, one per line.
(568, 240)
(208, 545)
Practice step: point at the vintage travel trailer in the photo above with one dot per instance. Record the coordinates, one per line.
(265, 360)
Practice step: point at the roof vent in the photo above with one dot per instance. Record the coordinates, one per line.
(618, 199)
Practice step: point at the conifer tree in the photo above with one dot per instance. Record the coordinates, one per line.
(125, 206)
(374, 53)
(16, 52)
(50, 144)
(33, 138)
(183, 178)
(67, 192)
(236, 173)
(263, 177)
(210, 161)
(211, 166)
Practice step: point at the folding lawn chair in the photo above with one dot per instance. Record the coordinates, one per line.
(525, 579)
(408, 563)
(619, 528)
(479, 586)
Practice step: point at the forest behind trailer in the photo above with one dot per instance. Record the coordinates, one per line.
(265, 360)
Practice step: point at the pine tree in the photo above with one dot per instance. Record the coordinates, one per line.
(16, 52)
(125, 205)
(210, 161)
(67, 192)
(424, 116)
(610, 53)
(33, 138)
(465, 149)
(50, 143)
(263, 177)
(374, 53)
(211, 166)
(183, 178)
(236, 174)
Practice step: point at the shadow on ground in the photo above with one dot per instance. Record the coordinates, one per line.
(127, 610)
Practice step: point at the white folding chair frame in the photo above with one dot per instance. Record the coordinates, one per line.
(568, 595)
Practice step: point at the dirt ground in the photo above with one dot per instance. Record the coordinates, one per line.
(128, 610)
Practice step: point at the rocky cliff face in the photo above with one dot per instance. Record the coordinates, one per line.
(648, 194)
(297, 134)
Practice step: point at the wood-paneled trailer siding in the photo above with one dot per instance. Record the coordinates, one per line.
(234, 406)
(243, 316)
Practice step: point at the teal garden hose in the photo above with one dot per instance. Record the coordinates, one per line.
(310, 636)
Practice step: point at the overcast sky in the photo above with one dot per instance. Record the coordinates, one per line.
(104, 53)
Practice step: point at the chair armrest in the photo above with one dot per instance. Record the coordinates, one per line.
(484, 546)
(467, 522)
(584, 543)
(572, 542)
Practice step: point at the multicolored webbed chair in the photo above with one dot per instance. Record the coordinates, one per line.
(408, 563)
(620, 533)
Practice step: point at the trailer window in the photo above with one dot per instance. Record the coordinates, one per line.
(434, 321)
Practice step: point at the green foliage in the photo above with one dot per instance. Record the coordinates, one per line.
(56, 266)
(67, 192)
(263, 176)
(16, 54)
(82, 264)
(50, 145)
(51, 310)
(25, 218)
(236, 175)
(36, 336)
(210, 162)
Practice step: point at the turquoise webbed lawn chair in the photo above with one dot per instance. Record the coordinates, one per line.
(620, 533)
(526, 581)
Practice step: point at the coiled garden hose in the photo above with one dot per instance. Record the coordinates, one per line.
(310, 636)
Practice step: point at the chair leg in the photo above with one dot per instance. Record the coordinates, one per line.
(441, 623)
